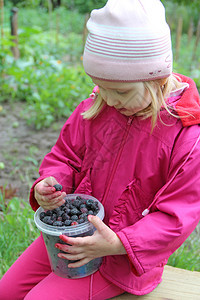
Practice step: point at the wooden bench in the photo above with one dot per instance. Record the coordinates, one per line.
(177, 284)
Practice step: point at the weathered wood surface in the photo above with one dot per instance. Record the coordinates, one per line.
(177, 284)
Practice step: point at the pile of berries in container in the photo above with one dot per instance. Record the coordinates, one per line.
(72, 212)
(71, 220)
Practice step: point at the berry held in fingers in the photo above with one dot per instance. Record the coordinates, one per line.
(58, 187)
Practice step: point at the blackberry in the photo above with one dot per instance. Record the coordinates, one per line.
(71, 206)
(54, 216)
(55, 210)
(49, 213)
(58, 223)
(83, 216)
(67, 222)
(89, 202)
(59, 213)
(58, 187)
(74, 218)
(83, 205)
(74, 211)
(47, 220)
(67, 211)
(77, 203)
(42, 215)
(80, 221)
(84, 210)
(65, 217)
(94, 206)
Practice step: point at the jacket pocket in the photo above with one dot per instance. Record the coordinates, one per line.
(129, 207)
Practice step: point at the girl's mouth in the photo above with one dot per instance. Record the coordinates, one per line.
(121, 109)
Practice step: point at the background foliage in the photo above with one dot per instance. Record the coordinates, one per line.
(49, 75)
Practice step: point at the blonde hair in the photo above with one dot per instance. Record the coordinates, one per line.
(159, 91)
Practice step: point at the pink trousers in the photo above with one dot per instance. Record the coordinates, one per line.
(30, 278)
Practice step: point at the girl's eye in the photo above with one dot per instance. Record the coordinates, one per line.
(122, 92)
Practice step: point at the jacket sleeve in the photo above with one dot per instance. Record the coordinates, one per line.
(66, 156)
(173, 217)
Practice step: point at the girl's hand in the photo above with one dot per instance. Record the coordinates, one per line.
(46, 195)
(103, 242)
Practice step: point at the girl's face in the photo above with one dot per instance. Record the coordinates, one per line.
(127, 97)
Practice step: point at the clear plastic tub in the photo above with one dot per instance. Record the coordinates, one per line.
(51, 236)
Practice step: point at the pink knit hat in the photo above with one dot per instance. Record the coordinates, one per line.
(128, 40)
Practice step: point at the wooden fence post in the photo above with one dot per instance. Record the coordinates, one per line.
(2, 36)
(2, 18)
(190, 31)
(178, 36)
(57, 27)
(14, 27)
(85, 31)
(50, 9)
(197, 41)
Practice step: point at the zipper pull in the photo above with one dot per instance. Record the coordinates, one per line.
(130, 119)
(145, 212)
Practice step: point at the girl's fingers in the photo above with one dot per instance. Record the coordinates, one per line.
(81, 259)
(69, 249)
(51, 196)
(78, 241)
(54, 198)
(50, 206)
(71, 256)
(100, 226)
(79, 263)
(45, 190)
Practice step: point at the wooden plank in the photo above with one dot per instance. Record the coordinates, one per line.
(177, 284)
(178, 37)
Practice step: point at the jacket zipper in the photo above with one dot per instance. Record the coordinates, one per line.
(117, 158)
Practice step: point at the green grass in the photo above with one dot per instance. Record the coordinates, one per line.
(188, 255)
(17, 229)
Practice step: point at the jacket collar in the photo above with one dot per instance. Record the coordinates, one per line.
(188, 106)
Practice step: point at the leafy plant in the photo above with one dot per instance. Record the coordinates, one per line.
(84, 6)
(49, 75)
(17, 230)
(188, 255)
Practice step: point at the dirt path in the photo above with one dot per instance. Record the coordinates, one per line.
(22, 148)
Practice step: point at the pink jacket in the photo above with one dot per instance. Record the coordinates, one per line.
(148, 183)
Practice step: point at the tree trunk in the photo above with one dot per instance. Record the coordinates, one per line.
(190, 31)
(197, 40)
(57, 27)
(2, 61)
(178, 36)
(50, 8)
(85, 31)
(14, 27)
(56, 3)
(2, 18)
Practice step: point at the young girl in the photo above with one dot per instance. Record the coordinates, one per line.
(134, 144)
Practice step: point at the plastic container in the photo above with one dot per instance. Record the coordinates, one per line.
(51, 236)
